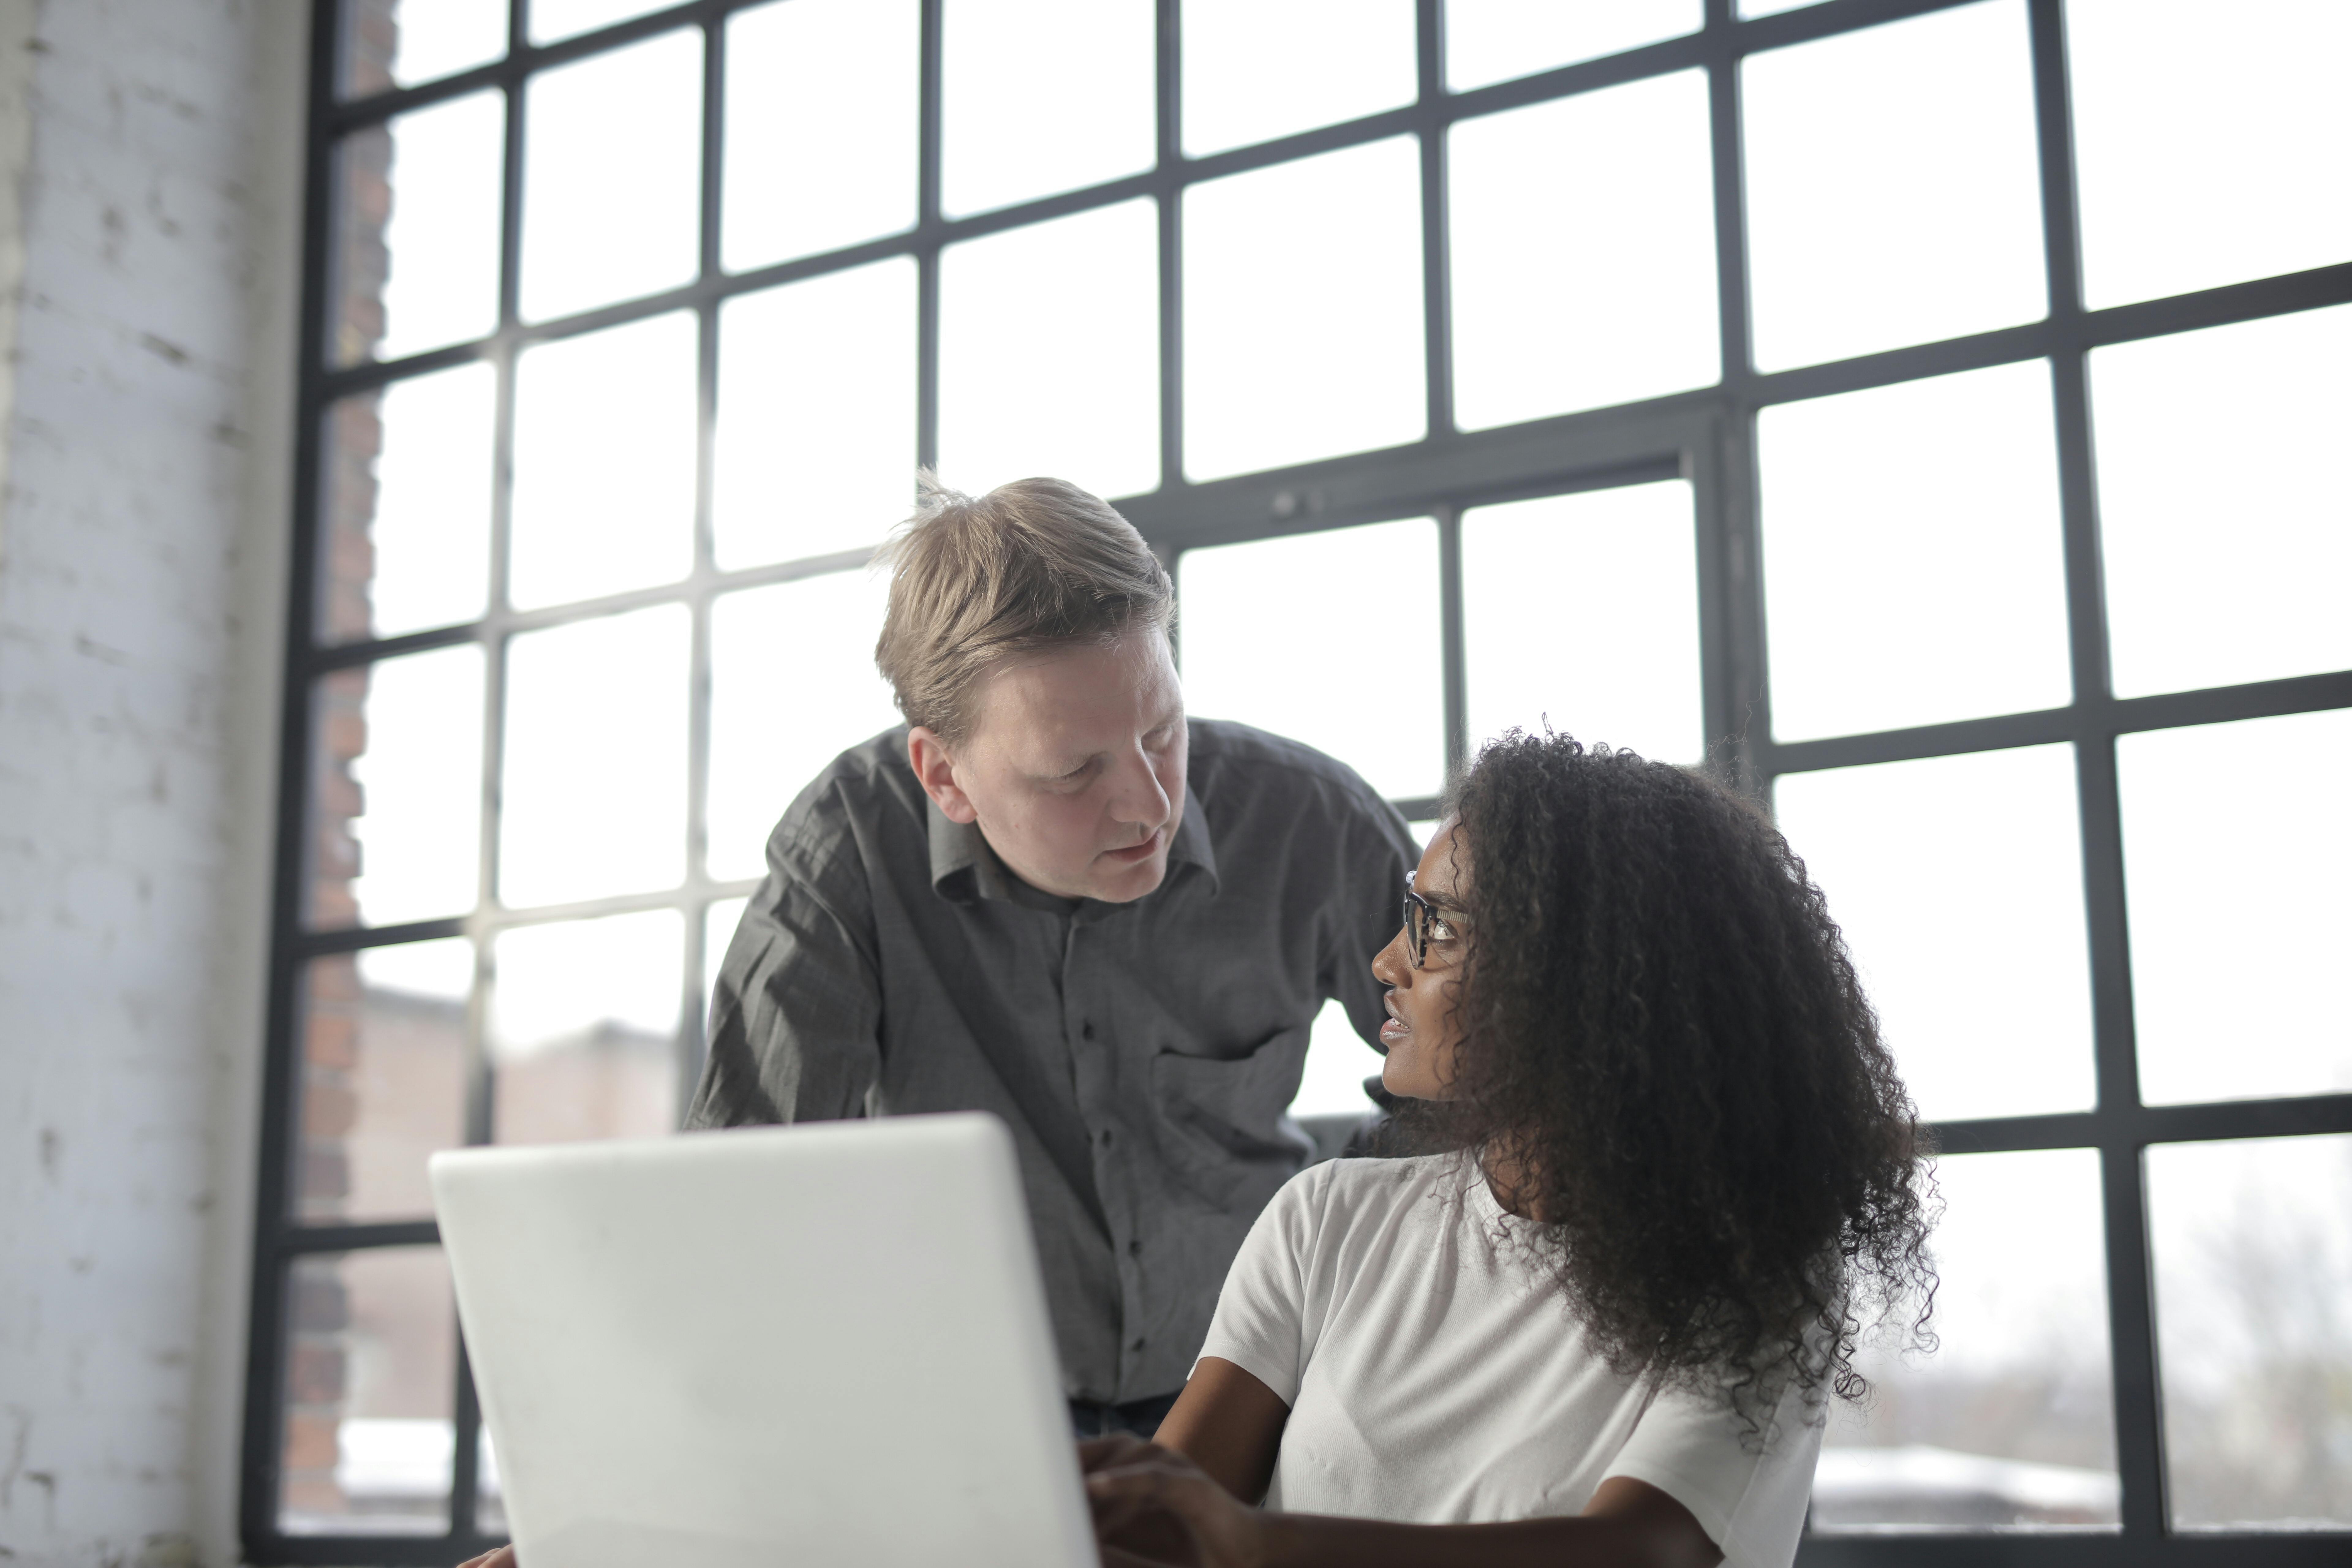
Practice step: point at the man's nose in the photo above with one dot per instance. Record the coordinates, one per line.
(1136, 795)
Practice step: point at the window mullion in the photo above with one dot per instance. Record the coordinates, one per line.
(1168, 74)
(1437, 327)
(927, 243)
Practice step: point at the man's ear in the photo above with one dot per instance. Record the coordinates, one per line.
(927, 755)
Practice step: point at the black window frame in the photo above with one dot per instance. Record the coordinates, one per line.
(1707, 437)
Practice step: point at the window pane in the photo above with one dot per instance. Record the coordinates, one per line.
(1892, 186)
(793, 685)
(1049, 353)
(821, 127)
(408, 506)
(1494, 40)
(1043, 95)
(1256, 69)
(1544, 321)
(371, 1370)
(2224, 515)
(1302, 311)
(2009, 1424)
(612, 176)
(383, 1078)
(418, 223)
(1750, 8)
(554, 19)
(2211, 144)
(2236, 853)
(396, 797)
(584, 1024)
(1914, 566)
(405, 42)
(1969, 943)
(1338, 1063)
(1581, 611)
(1330, 638)
(594, 794)
(604, 462)
(2252, 1245)
(816, 440)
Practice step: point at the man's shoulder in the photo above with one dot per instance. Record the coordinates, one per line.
(865, 790)
(1228, 758)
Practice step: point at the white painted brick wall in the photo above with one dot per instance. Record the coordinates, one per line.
(142, 545)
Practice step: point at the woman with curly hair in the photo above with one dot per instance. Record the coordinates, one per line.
(1604, 1325)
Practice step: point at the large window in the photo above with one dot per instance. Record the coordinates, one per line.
(1928, 416)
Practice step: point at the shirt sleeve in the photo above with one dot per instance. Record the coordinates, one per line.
(796, 1013)
(1748, 1489)
(1260, 1323)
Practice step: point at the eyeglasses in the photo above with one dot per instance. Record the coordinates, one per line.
(1425, 923)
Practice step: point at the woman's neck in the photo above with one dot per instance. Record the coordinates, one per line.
(1512, 1179)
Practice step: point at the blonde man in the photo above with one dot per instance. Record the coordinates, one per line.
(1054, 897)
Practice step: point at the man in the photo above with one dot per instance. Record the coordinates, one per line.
(1053, 896)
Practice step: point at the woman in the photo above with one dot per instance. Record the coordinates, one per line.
(1605, 1326)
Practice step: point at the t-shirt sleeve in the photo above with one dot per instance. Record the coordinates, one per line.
(1748, 1490)
(1260, 1323)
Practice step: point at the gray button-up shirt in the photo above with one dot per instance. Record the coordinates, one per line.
(1143, 1054)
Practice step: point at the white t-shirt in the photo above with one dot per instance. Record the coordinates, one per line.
(1434, 1376)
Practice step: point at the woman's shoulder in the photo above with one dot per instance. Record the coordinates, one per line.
(1343, 1194)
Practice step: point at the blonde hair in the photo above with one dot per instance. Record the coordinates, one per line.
(1030, 566)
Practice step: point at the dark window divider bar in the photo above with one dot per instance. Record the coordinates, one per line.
(1452, 640)
(1168, 74)
(2133, 1125)
(308, 1240)
(2084, 723)
(466, 1455)
(928, 234)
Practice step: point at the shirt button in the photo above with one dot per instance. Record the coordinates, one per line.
(1137, 1345)
(1135, 1248)
(1105, 1138)
(1087, 1029)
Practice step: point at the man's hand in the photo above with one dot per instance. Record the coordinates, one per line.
(1138, 1489)
(503, 1557)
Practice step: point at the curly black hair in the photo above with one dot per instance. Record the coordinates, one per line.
(1662, 1027)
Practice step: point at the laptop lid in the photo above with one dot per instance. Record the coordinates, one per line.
(823, 1344)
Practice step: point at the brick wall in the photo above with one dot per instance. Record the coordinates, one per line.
(142, 549)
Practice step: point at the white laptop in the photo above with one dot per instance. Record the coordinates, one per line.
(819, 1345)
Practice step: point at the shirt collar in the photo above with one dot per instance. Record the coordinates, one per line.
(965, 869)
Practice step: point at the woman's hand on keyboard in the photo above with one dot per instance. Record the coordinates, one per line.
(1134, 1485)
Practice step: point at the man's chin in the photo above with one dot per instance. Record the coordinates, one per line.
(1125, 884)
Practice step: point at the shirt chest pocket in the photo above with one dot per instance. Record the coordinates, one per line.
(1221, 1121)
